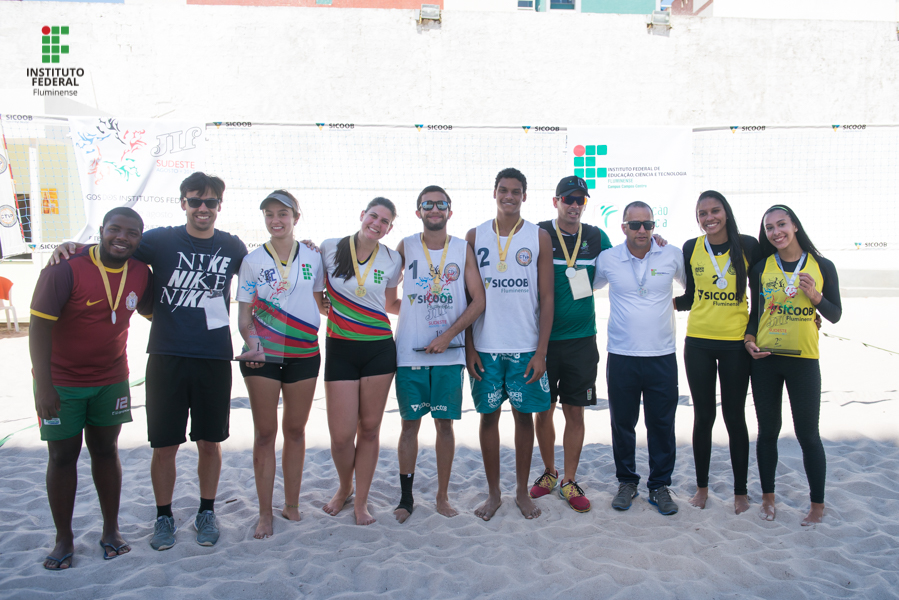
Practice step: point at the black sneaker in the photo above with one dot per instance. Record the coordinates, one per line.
(661, 497)
(626, 493)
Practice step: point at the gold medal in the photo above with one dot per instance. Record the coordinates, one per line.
(436, 274)
(501, 266)
(360, 279)
(95, 256)
(570, 259)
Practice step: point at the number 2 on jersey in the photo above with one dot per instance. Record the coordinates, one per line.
(484, 253)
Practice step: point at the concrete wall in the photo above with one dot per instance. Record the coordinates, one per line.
(838, 10)
(366, 65)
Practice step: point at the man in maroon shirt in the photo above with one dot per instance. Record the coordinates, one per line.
(79, 327)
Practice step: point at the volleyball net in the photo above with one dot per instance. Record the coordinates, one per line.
(841, 180)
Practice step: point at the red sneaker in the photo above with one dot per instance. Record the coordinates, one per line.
(544, 484)
(573, 493)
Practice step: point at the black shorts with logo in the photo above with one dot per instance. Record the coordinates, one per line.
(178, 386)
(571, 366)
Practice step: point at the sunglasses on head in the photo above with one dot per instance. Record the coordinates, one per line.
(430, 204)
(569, 200)
(636, 225)
(211, 203)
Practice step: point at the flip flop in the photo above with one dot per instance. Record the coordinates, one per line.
(106, 556)
(59, 562)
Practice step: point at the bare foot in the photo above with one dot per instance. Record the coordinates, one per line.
(264, 527)
(741, 503)
(527, 507)
(118, 545)
(699, 499)
(363, 517)
(402, 514)
(59, 550)
(489, 508)
(767, 512)
(815, 514)
(291, 513)
(337, 502)
(444, 508)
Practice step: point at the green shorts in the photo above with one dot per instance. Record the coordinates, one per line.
(101, 406)
(438, 390)
(503, 378)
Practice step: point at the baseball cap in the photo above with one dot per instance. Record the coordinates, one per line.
(283, 199)
(569, 184)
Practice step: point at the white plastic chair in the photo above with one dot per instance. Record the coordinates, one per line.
(6, 302)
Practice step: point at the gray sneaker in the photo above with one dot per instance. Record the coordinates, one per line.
(626, 493)
(207, 532)
(661, 497)
(163, 533)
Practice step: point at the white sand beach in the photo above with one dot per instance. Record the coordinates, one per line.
(694, 554)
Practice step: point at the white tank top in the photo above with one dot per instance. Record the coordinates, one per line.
(425, 315)
(510, 321)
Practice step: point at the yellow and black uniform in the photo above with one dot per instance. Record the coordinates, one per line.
(713, 350)
(781, 321)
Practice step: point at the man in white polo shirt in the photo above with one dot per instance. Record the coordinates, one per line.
(642, 360)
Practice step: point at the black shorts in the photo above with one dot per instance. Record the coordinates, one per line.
(571, 366)
(351, 360)
(290, 371)
(178, 386)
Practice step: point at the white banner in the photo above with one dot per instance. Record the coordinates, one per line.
(625, 164)
(135, 162)
(12, 239)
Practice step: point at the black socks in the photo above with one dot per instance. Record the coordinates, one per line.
(406, 501)
(206, 505)
(164, 511)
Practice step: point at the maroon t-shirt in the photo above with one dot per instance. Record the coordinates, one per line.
(88, 348)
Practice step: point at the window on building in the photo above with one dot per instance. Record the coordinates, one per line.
(561, 4)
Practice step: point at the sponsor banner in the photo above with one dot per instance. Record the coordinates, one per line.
(12, 239)
(138, 163)
(626, 164)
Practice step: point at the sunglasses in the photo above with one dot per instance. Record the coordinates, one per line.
(210, 203)
(430, 204)
(569, 200)
(636, 225)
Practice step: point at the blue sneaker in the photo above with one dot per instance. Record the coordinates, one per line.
(207, 532)
(163, 534)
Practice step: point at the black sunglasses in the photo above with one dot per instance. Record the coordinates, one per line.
(429, 204)
(211, 203)
(636, 225)
(569, 200)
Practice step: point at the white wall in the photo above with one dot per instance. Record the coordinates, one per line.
(837, 10)
(364, 66)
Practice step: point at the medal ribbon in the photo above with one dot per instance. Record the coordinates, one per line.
(504, 252)
(95, 255)
(360, 279)
(572, 259)
(708, 248)
(780, 266)
(284, 270)
(439, 272)
(640, 282)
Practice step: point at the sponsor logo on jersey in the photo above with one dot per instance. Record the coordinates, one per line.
(524, 257)
(452, 272)
(510, 285)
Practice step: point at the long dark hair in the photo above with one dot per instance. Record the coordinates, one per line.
(733, 236)
(343, 259)
(801, 236)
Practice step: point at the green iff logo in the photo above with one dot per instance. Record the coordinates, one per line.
(585, 163)
(50, 46)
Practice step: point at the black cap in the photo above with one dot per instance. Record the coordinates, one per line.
(283, 199)
(569, 184)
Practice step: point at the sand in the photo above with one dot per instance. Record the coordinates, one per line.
(709, 553)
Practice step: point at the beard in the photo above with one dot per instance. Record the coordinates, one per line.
(430, 226)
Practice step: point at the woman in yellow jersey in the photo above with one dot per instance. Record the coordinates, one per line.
(360, 355)
(791, 283)
(280, 295)
(717, 264)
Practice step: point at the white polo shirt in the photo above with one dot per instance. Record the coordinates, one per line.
(640, 325)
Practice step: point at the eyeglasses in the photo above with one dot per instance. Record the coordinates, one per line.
(211, 203)
(636, 225)
(569, 200)
(430, 204)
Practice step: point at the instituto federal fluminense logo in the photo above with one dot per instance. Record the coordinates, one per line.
(54, 46)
